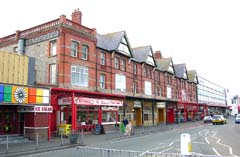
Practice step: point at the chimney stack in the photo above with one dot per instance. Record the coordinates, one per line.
(77, 16)
(158, 55)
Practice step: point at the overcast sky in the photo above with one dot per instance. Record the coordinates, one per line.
(204, 34)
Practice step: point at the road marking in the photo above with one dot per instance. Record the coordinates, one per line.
(165, 150)
(229, 148)
(171, 144)
(206, 140)
(199, 142)
(216, 152)
(150, 150)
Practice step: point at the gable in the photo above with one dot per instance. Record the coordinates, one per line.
(170, 67)
(123, 47)
(185, 73)
(150, 58)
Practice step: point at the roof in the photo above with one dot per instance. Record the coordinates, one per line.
(140, 54)
(164, 63)
(180, 70)
(144, 54)
(111, 41)
(192, 76)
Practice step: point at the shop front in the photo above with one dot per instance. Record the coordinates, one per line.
(83, 110)
(161, 112)
(89, 112)
(171, 112)
(23, 108)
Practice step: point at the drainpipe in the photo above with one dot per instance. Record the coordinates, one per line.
(96, 78)
(142, 112)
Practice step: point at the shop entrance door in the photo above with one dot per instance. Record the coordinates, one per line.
(8, 123)
(138, 112)
(160, 115)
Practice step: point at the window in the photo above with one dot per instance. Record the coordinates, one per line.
(74, 48)
(148, 88)
(135, 68)
(120, 82)
(52, 73)
(135, 87)
(116, 60)
(79, 75)
(84, 52)
(144, 72)
(102, 58)
(123, 65)
(53, 47)
(102, 81)
(157, 91)
(169, 92)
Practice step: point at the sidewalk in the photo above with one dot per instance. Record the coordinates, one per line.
(88, 140)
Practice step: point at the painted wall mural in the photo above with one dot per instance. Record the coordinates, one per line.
(23, 95)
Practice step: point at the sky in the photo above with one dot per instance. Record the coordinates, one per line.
(203, 34)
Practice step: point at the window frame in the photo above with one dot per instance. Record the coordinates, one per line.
(75, 49)
(82, 72)
(116, 62)
(102, 81)
(53, 51)
(120, 82)
(123, 64)
(85, 53)
(52, 76)
(102, 58)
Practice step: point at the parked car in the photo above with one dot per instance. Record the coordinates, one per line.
(218, 119)
(207, 119)
(237, 119)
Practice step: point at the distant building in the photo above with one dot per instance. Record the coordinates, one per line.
(213, 95)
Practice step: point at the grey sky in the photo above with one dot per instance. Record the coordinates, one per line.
(204, 34)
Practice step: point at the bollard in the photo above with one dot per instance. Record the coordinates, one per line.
(81, 138)
(61, 139)
(7, 145)
(37, 140)
(186, 146)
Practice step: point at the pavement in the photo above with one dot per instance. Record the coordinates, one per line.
(86, 139)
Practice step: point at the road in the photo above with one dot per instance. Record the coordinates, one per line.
(207, 140)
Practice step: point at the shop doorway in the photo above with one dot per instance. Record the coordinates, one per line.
(161, 116)
(170, 115)
(21, 123)
(138, 112)
(8, 120)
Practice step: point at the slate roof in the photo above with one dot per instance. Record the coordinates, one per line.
(140, 54)
(191, 76)
(163, 64)
(110, 41)
(179, 70)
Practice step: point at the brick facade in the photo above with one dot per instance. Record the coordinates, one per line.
(73, 31)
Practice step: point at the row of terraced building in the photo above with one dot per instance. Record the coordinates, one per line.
(92, 79)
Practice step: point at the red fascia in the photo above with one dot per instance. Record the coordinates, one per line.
(90, 93)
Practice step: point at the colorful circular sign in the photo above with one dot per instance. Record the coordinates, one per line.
(20, 95)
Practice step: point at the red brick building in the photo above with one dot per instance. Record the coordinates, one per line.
(100, 78)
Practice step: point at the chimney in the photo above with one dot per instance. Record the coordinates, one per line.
(158, 55)
(77, 16)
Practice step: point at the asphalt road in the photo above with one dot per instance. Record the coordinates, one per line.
(207, 140)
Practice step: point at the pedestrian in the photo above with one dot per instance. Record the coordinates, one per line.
(125, 121)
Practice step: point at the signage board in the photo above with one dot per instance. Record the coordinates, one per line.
(36, 109)
(89, 101)
(161, 104)
(137, 104)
